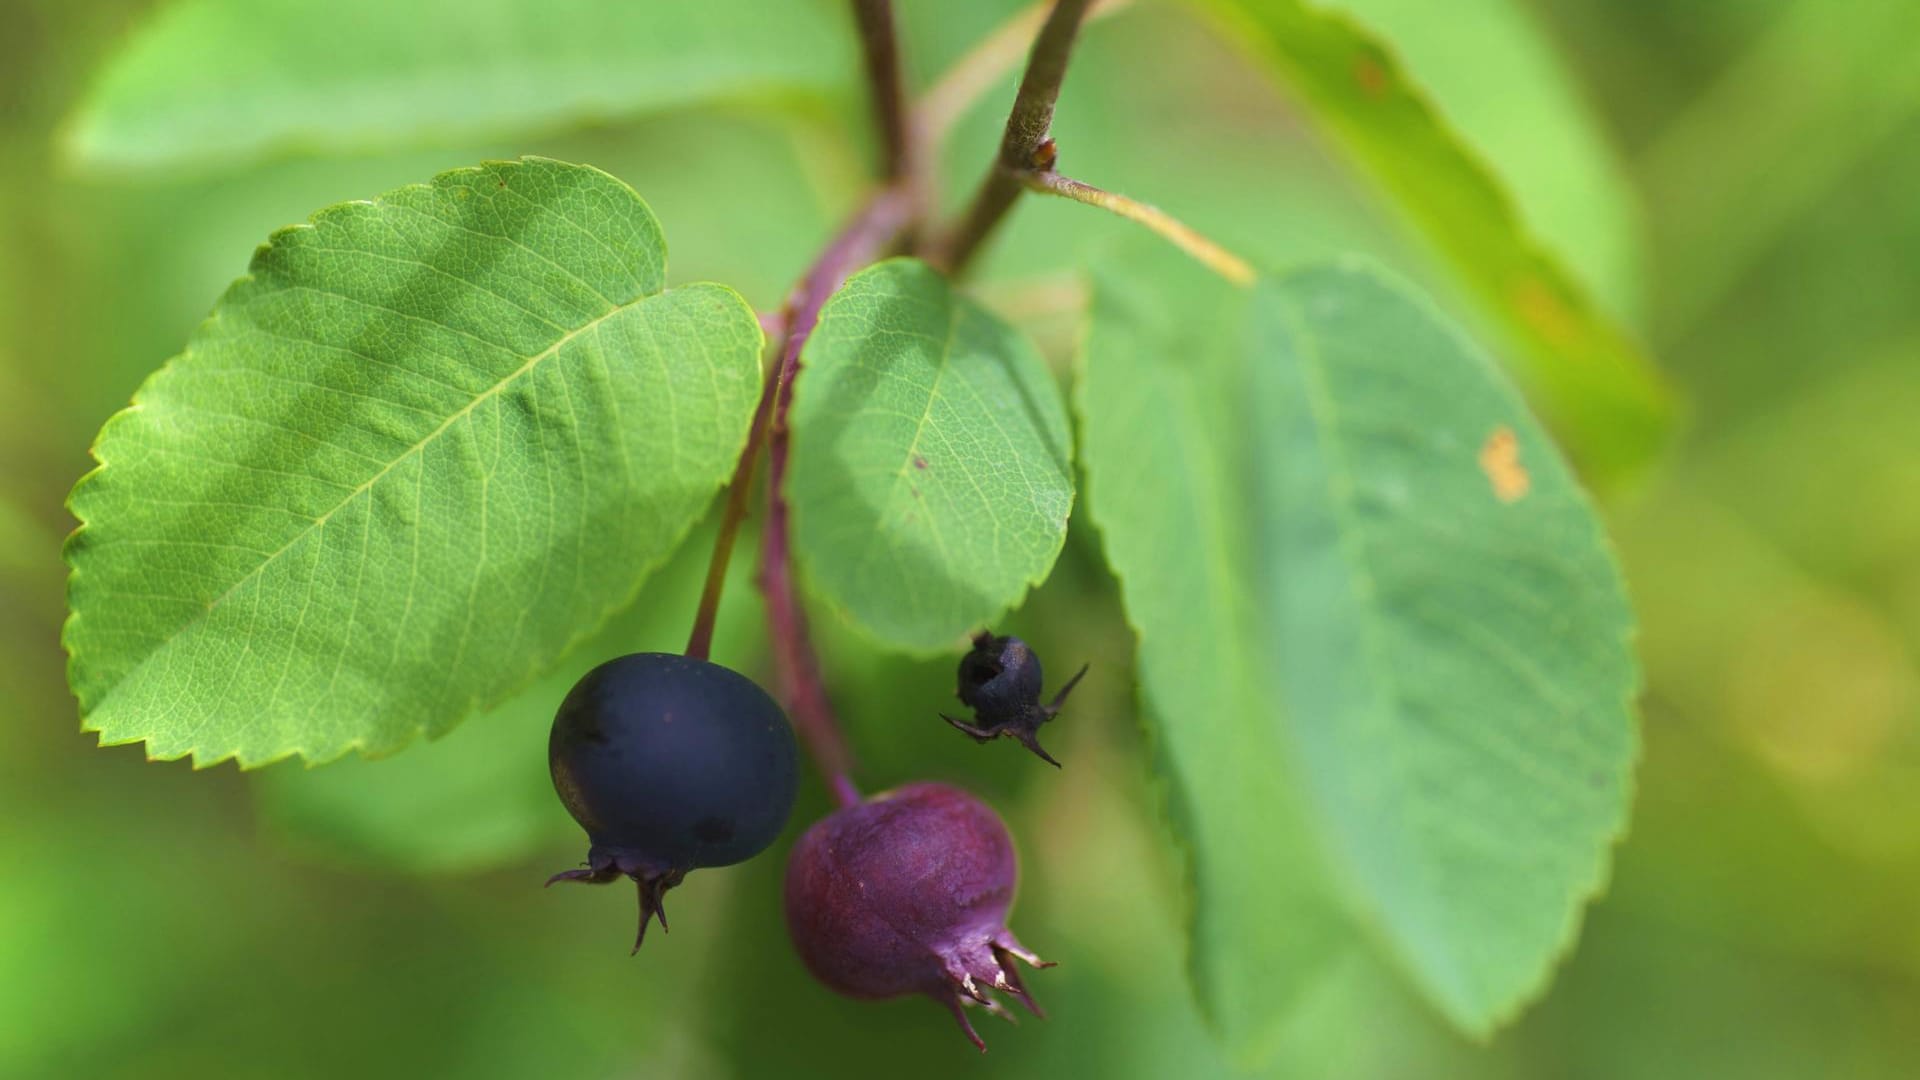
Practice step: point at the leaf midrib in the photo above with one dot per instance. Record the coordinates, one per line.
(425, 440)
(913, 445)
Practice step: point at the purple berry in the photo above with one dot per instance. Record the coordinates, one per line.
(670, 763)
(907, 893)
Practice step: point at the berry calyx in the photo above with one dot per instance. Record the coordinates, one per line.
(670, 764)
(907, 893)
(1001, 680)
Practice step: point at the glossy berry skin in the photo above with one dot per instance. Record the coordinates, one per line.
(907, 893)
(670, 763)
(1001, 681)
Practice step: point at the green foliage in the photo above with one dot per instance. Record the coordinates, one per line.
(1404, 606)
(1582, 370)
(227, 81)
(1449, 635)
(1519, 107)
(931, 475)
(482, 798)
(1759, 932)
(419, 450)
(1156, 400)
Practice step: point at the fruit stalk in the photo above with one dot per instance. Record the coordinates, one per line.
(700, 640)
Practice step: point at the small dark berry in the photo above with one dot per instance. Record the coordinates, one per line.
(907, 893)
(1000, 680)
(670, 763)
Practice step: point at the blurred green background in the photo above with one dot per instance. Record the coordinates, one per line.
(1758, 224)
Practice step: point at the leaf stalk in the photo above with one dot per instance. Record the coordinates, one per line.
(1179, 233)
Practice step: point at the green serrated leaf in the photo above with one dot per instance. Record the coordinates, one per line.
(426, 444)
(228, 81)
(1589, 378)
(1449, 633)
(931, 476)
(1159, 436)
(1422, 610)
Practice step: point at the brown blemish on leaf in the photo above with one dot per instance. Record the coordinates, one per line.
(919, 462)
(1370, 76)
(1500, 460)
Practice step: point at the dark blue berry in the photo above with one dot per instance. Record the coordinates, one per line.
(670, 764)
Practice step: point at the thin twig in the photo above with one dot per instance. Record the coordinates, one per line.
(1212, 255)
(977, 71)
(795, 662)
(881, 49)
(1024, 145)
(1032, 115)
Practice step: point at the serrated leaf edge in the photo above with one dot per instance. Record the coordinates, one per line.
(842, 613)
(201, 757)
(1583, 894)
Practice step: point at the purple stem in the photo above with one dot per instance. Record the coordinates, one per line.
(795, 662)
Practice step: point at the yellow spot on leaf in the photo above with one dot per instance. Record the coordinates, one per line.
(1500, 460)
